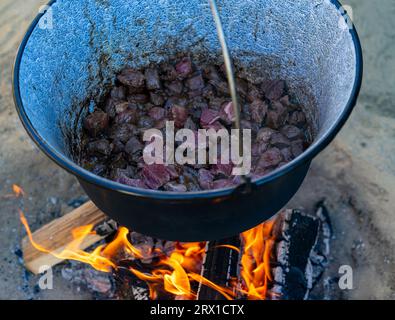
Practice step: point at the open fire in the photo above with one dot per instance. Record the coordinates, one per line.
(177, 270)
(174, 272)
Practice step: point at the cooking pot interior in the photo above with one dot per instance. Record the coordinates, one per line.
(66, 70)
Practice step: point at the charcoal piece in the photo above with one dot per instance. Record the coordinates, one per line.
(221, 266)
(211, 73)
(301, 236)
(276, 116)
(109, 107)
(224, 170)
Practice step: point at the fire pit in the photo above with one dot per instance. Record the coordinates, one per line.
(283, 258)
(62, 73)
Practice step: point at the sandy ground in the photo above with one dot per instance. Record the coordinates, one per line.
(356, 174)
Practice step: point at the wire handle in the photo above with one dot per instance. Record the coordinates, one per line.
(230, 76)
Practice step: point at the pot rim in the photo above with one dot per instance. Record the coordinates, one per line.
(81, 173)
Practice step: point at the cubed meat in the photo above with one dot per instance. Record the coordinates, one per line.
(152, 79)
(258, 109)
(155, 176)
(175, 187)
(132, 78)
(96, 123)
(127, 116)
(179, 115)
(208, 117)
(206, 179)
(279, 140)
(133, 146)
(157, 99)
(195, 83)
(184, 67)
(227, 113)
(136, 183)
(118, 93)
(270, 158)
(157, 113)
(100, 147)
(174, 88)
(273, 90)
(291, 132)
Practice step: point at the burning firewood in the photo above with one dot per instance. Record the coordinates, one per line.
(279, 259)
(56, 235)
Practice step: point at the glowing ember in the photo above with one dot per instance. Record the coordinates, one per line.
(18, 190)
(255, 261)
(175, 272)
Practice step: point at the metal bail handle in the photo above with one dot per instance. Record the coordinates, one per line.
(232, 83)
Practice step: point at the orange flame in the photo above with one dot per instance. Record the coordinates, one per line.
(175, 271)
(255, 261)
(18, 190)
(73, 251)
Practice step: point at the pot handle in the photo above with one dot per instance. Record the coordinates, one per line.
(245, 188)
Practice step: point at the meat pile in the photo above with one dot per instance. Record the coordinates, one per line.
(194, 97)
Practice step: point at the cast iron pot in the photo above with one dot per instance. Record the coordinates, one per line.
(72, 52)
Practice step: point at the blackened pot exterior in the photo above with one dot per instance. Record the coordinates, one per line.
(198, 219)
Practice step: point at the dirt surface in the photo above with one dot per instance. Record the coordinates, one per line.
(356, 174)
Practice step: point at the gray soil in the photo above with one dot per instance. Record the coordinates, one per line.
(355, 174)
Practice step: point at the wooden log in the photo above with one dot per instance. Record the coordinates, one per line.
(57, 234)
(297, 236)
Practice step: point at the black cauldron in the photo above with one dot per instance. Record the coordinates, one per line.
(73, 50)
